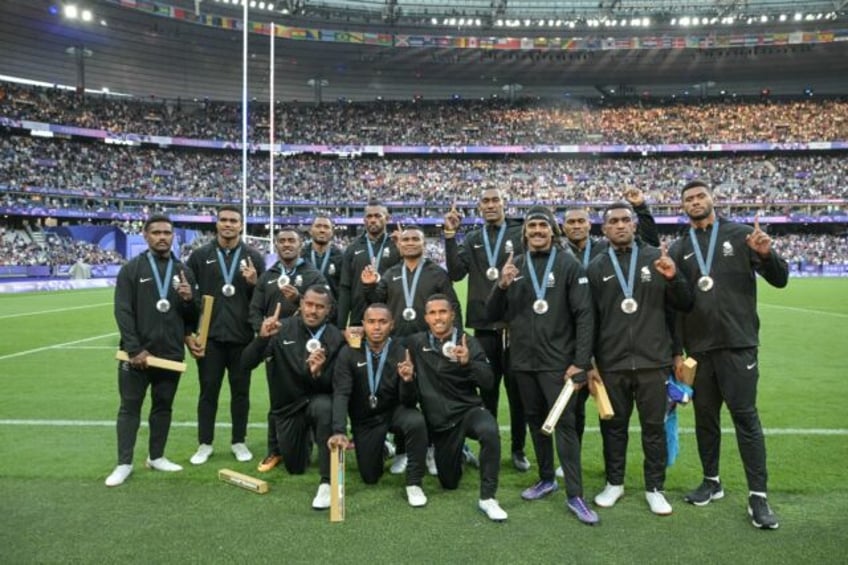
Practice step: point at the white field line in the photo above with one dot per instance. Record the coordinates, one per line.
(55, 346)
(257, 425)
(55, 310)
(804, 310)
(66, 347)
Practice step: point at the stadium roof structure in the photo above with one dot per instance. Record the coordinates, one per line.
(397, 49)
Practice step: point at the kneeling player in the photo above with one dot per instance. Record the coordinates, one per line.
(372, 383)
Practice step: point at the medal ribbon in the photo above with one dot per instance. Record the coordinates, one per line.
(409, 293)
(288, 273)
(230, 273)
(587, 252)
(433, 340)
(375, 378)
(492, 252)
(317, 335)
(705, 266)
(626, 287)
(541, 289)
(161, 285)
(379, 251)
(324, 261)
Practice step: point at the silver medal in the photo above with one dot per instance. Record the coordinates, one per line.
(228, 290)
(283, 280)
(372, 401)
(540, 306)
(313, 345)
(449, 350)
(163, 305)
(705, 283)
(492, 273)
(409, 314)
(629, 305)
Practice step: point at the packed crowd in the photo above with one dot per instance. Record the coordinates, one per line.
(20, 249)
(455, 122)
(95, 177)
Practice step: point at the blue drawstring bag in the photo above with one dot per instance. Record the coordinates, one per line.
(677, 393)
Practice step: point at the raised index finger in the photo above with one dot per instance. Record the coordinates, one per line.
(277, 311)
(757, 222)
(664, 249)
(464, 342)
(509, 258)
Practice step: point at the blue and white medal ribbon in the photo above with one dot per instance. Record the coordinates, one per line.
(374, 378)
(285, 278)
(540, 306)
(448, 348)
(587, 252)
(705, 283)
(324, 260)
(162, 282)
(409, 292)
(629, 304)
(492, 253)
(228, 289)
(314, 344)
(379, 254)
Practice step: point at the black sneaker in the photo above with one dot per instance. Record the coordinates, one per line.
(708, 491)
(761, 514)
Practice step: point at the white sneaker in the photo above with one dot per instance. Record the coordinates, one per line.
(202, 454)
(415, 496)
(162, 464)
(398, 465)
(559, 474)
(388, 450)
(609, 496)
(430, 460)
(119, 475)
(241, 452)
(492, 510)
(322, 497)
(659, 505)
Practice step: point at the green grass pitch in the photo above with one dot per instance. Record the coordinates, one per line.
(58, 403)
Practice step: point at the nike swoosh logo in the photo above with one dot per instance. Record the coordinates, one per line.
(362, 364)
(272, 282)
(751, 366)
(148, 279)
(609, 277)
(426, 349)
(287, 342)
(358, 251)
(685, 257)
(477, 245)
(397, 278)
(518, 278)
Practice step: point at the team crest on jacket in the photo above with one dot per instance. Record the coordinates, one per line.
(298, 281)
(508, 247)
(727, 249)
(331, 269)
(551, 280)
(645, 274)
(386, 252)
